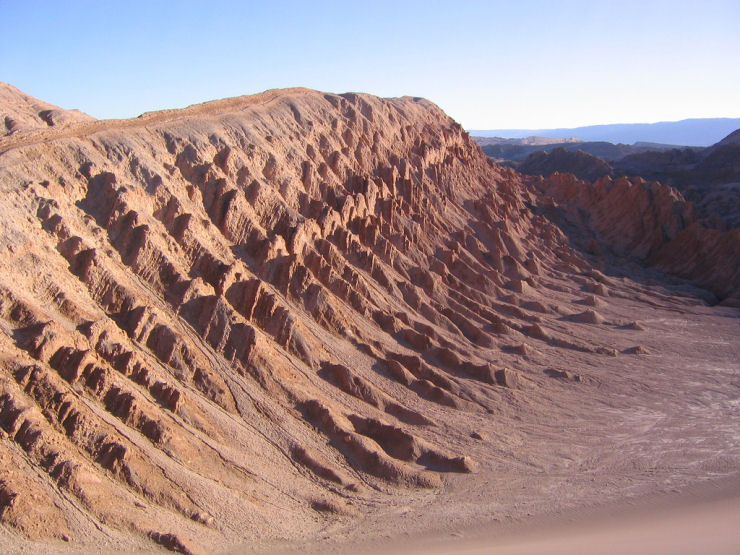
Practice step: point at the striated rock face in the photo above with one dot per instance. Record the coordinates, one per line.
(276, 305)
(653, 222)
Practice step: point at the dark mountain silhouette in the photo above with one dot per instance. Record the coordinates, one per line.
(581, 164)
(514, 150)
(708, 177)
(694, 132)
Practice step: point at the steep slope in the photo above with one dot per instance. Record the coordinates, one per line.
(253, 316)
(653, 223)
(21, 112)
(195, 292)
(720, 163)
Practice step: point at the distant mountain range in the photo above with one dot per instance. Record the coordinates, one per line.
(516, 150)
(691, 132)
(707, 176)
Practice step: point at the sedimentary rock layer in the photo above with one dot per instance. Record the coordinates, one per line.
(267, 306)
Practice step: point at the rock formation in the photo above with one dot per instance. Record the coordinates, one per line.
(283, 304)
(654, 223)
(707, 177)
(21, 112)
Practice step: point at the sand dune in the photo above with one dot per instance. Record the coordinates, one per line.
(702, 519)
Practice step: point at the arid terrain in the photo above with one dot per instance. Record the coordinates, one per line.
(708, 177)
(306, 321)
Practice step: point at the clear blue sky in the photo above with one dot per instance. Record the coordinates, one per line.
(489, 64)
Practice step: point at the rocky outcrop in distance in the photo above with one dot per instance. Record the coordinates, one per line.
(584, 166)
(651, 222)
(707, 177)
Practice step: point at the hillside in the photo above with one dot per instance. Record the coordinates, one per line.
(298, 316)
(21, 112)
(581, 164)
(511, 152)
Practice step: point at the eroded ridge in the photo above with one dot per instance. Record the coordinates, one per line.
(214, 318)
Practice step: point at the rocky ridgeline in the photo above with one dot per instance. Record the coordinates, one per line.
(276, 299)
(653, 223)
(21, 112)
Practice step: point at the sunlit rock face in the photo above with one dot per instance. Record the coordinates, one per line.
(248, 317)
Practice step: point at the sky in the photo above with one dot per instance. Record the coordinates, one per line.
(488, 64)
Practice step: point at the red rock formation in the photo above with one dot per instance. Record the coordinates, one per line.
(654, 223)
(20, 112)
(274, 299)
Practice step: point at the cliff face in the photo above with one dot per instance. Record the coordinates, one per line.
(654, 223)
(292, 303)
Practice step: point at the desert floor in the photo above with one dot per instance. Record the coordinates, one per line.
(641, 456)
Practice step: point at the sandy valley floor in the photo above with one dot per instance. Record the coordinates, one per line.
(642, 455)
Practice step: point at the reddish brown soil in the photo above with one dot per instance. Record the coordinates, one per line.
(262, 321)
(20, 113)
